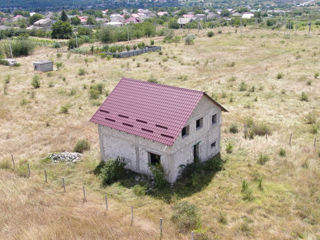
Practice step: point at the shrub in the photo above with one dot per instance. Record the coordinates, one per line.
(263, 158)
(35, 81)
(81, 146)
(189, 40)
(311, 118)
(243, 86)
(139, 190)
(279, 75)
(229, 148)
(65, 109)
(316, 75)
(81, 72)
(260, 184)
(234, 128)
(153, 79)
(18, 47)
(304, 97)
(4, 62)
(5, 164)
(59, 65)
(260, 129)
(282, 152)
(214, 164)
(222, 219)
(56, 45)
(112, 171)
(152, 42)
(246, 191)
(232, 64)
(95, 90)
(210, 34)
(185, 216)
(158, 175)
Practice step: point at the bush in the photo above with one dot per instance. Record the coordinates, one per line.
(243, 86)
(263, 158)
(95, 90)
(112, 171)
(158, 175)
(5, 164)
(65, 109)
(189, 40)
(81, 146)
(304, 97)
(229, 148)
(81, 72)
(59, 65)
(222, 219)
(57, 45)
(19, 47)
(185, 216)
(35, 81)
(234, 128)
(246, 191)
(139, 190)
(214, 164)
(282, 152)
(311, 118)
(210, 34)
(279, 75)
(4, 62)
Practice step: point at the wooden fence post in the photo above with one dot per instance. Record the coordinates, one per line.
(192, 235)
(106, 199)
(161, 228)
(290, 139)
(84, 194)
(315, 142)
(13, 163)
(131, 216)
(29, 172)
(45, 176)
(63, 184)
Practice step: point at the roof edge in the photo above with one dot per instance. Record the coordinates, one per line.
(215, 102)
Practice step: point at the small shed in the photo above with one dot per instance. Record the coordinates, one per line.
(43, 66)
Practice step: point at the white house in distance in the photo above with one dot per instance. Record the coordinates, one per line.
(147, 123)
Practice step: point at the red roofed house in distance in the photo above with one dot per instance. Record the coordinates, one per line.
(147, 123)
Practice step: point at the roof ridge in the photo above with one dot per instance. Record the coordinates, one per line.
(162, 85)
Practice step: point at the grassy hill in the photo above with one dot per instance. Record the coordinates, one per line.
(266, 79)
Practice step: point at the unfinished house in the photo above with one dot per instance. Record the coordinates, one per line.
(43, 66)
(147, 123)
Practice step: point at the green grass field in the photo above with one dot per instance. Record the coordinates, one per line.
(263, 76)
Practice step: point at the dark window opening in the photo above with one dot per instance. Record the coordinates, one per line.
(213, 145)
(199, 123)
(154, 158)
(185, 131)
(214, 119)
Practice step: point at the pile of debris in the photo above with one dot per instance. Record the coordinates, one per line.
(71, 157)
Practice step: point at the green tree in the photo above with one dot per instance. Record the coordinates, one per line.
(91, 20)
(35, 17)
(64, 16)
(75, 21)
(225, 13)
(61, 30)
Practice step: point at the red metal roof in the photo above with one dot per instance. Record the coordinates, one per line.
(150, 110)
